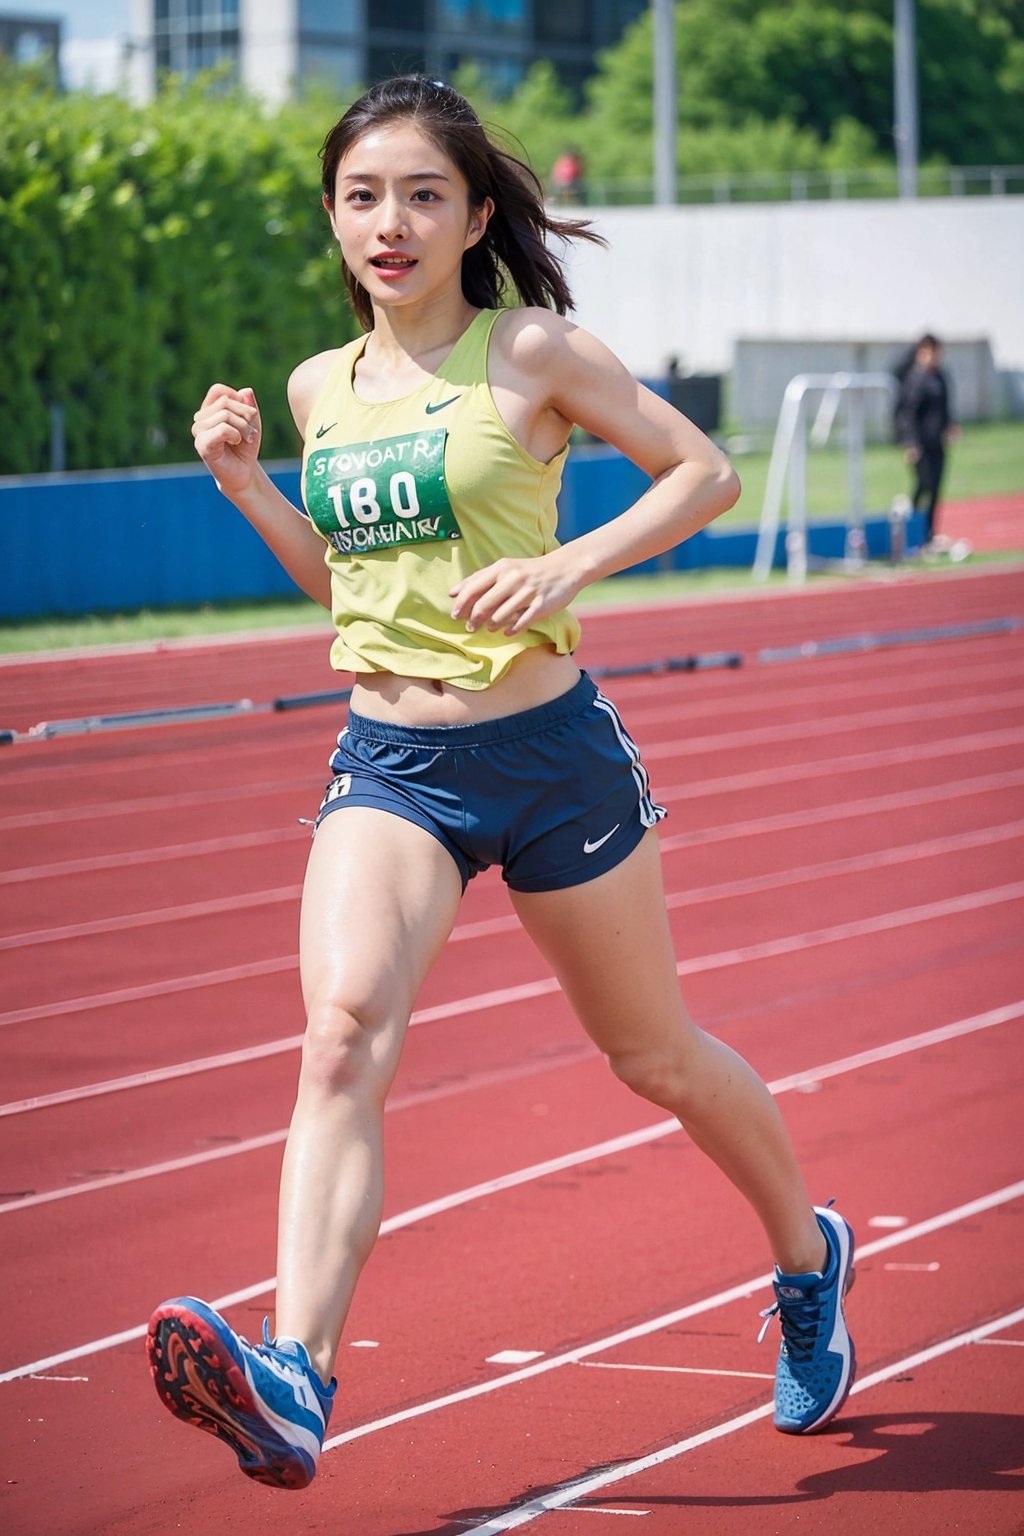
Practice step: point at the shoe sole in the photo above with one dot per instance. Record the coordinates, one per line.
(200, 1382)
(843, 1390)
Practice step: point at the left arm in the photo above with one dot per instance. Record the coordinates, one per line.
(570, 375)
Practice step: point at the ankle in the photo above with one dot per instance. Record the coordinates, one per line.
(807, 1256)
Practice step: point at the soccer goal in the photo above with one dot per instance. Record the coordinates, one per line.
(836, 393)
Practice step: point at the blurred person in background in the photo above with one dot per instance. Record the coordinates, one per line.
(924, 425)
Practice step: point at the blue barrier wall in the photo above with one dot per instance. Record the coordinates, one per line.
(104, 541)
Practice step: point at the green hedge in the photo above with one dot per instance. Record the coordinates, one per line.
(146, 252)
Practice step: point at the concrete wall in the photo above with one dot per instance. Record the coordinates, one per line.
(762, 369)
(693, 281)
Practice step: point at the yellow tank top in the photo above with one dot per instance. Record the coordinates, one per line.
(410, 496)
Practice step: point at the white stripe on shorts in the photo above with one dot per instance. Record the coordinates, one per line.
(650, 813)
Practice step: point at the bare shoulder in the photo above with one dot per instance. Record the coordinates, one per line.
(530, 338)
(539, 343)
(306, 382)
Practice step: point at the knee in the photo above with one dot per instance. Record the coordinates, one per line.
(342, 1049)
(664, 1077)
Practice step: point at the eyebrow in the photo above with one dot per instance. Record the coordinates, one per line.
(415, 176)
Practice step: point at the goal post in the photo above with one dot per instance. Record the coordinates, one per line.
(787, 472)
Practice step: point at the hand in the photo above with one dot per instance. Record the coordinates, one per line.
(227, 433)
(512, 594)
(911, 455)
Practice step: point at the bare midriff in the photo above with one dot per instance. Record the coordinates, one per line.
(535, 677)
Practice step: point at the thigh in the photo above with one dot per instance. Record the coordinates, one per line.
(379, 900)
(609, 943)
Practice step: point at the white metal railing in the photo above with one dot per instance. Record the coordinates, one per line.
(809, 186)
(787, 470)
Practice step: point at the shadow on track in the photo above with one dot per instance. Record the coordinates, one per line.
(913, 1453)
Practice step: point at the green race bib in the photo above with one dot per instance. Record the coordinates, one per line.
(377, 495)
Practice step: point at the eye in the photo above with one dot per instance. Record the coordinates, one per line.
(425, 195)
(360, 195)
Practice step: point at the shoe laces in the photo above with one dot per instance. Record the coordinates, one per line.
(798, 1320)
(270, 1346)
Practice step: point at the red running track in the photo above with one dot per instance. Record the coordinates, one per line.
(846, 886)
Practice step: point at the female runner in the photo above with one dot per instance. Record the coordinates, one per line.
(433, 451)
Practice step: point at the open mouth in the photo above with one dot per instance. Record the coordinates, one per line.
(393, 263)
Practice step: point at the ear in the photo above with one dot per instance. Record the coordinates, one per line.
(479, 218)
(328, 204)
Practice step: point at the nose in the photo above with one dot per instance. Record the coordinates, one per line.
(392, 224)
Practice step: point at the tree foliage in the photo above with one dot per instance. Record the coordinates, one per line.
(792, 85)
(146, 252)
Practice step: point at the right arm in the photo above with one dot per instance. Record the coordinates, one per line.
(227, 433)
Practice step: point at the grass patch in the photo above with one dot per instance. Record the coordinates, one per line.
(987, 460)
(57, 633)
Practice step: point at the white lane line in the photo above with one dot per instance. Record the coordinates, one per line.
(396, 1103)
(676, 1370)
(721, 831)
(955, 842)
(416, 1097)
(514, 1356)
(674, 693)
(61, 869)
(854, 762)
(768, 949)
(579, 1488)
(610, 1148)
(955, 746)
(1008, 1343)
(845, 810)
(149, 804)
(826, 725)
(124, 922)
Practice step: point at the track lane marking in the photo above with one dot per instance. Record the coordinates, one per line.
(826, 725)
(852, 763)
(673, 692)
(609, 1148)
(485, 928)
(193, 799)
(721, 831)
(768, 949)
(568, 1056)
(955, 842)
(675, 1370)
(568, 1493)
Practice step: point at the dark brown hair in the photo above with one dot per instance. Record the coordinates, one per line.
(513, 249)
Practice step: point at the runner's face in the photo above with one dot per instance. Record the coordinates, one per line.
(401, 215)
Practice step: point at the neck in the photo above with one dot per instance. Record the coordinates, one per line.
(403, 332)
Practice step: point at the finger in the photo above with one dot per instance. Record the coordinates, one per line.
(526, 618)
(245, 422)
(470, 590)
(509, 610)
(212, 443)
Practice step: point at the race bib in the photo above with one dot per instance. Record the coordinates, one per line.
(377, 495)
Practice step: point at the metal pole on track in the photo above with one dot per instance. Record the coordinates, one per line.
(664, 102)
(905, 93)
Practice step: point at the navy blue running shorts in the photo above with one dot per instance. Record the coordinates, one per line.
(555, 795)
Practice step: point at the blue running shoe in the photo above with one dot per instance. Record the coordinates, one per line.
(817, 1361)
(263, 1400)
